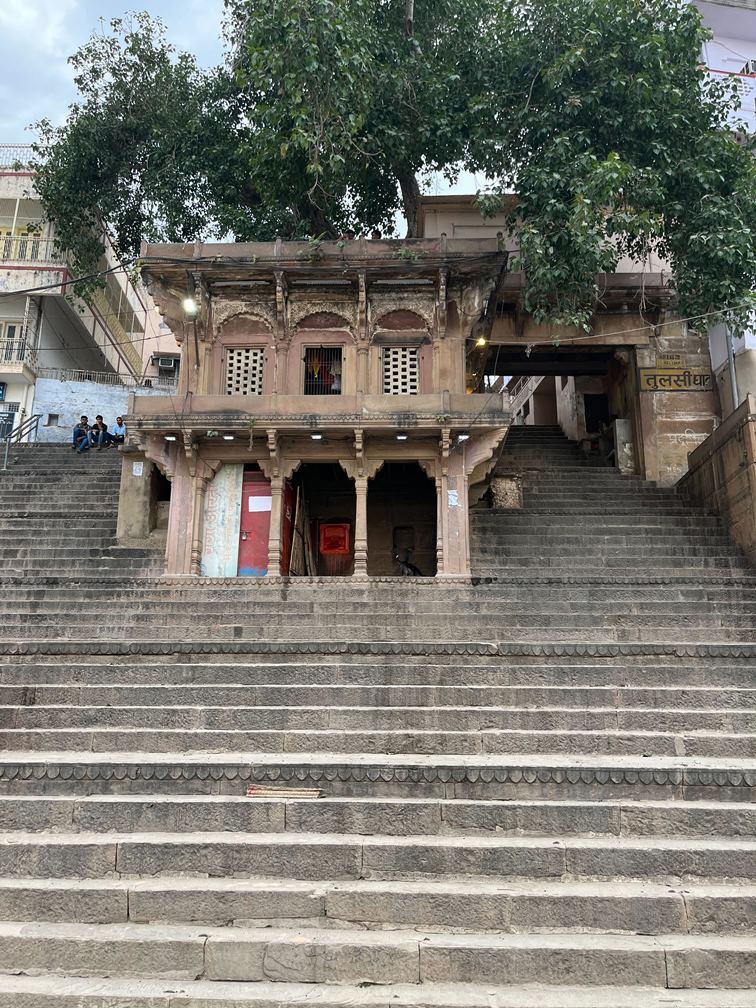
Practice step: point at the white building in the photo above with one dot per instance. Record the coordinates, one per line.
(732, 51)
(53, 346)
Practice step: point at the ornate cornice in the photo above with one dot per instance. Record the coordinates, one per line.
(520, 775)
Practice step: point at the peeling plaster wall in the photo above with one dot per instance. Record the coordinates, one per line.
(220, 552)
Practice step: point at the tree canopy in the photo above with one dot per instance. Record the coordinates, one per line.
(330, 114)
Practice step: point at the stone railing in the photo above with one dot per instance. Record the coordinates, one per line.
(721, 476)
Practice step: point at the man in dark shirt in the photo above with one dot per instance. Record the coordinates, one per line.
(81, 434)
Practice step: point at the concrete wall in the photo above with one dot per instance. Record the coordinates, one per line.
(68, 400)
(722, 476)
(220, 550)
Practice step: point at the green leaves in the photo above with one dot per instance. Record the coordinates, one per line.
(597, 113)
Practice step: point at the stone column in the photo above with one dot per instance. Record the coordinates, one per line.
(440, 518)
(274, 537)
(360, 527)
(362, 369)
(198, 523)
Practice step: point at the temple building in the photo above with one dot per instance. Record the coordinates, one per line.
(341, 404)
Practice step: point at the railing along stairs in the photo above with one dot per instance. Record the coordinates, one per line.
(27, 428)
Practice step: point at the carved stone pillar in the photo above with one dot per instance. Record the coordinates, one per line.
(362, 369)
(440, 516)
(274, 538)
(360, 527)
(198, 522)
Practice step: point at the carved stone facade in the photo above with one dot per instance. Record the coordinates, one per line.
(352, 357)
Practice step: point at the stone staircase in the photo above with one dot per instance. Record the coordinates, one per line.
(537, 789)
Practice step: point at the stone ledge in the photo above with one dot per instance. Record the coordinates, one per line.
(414, 648)
(502, 774)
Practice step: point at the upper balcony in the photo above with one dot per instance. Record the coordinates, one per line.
(15, 157)
(17, 360)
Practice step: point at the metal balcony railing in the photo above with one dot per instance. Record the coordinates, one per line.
(107, 378)
(29, 249)
(17, 351)
(13, 154)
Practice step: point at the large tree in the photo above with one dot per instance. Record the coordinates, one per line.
(329, 114)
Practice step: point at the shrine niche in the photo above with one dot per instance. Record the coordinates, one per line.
(322, 356)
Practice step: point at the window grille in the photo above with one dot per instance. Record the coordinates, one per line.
(401, 371)
(244, 370)
(322, 371)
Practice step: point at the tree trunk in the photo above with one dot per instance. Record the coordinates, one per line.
(409, 17)
(484, 326)
(410, 195)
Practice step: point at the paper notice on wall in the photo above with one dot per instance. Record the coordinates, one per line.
(137, 468)
(453, 498)
(260, 503)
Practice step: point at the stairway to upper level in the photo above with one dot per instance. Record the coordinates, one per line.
(536, 789)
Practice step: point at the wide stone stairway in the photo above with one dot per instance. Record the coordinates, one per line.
(535, 790)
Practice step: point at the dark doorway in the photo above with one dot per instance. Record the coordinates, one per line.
(596, 412)
(401, 516)
(322, 534)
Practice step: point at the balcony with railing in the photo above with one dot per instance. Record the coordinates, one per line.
(26, 250)
(13, 155)
(17, 358)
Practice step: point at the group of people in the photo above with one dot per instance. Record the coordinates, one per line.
(97, 435)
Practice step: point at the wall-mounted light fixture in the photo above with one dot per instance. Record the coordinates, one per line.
(481, 341)
(316, 437)
(463, 436)
(402, 435)
(228, 437)
(170, 437)
(190, 306)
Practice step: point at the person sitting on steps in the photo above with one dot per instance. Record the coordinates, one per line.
(99, 433)
(117, 433)
(81, 434)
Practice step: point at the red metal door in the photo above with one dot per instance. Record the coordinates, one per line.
(255, 525)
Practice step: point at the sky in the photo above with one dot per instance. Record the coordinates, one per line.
(38, 36)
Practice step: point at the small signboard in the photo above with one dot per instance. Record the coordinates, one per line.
(675, 379)
(673, 360)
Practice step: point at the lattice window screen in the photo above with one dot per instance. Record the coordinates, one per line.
(244, 370)
(401, 370)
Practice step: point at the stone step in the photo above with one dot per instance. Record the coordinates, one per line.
(336, 856)
(234, 813)
(353, 621)
(131, 992)
(691, 742)
(498, 610)
(454, 720)
(452, 906)
(473, 777)
(342, 956)
(378, 673)
(719, 634)
(304, 695)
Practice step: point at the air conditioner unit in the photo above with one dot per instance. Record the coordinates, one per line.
(167, 363)
(749, 68)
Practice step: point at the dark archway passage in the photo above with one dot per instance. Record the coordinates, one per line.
(401, 513)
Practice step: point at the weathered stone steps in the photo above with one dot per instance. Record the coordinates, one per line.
(121, 992)
(454, 905)
(375, 957)
(204, 813)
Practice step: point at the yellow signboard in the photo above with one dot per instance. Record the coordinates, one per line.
(676, 379)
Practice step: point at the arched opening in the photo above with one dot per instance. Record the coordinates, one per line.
(401, 513)
(320, 508)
